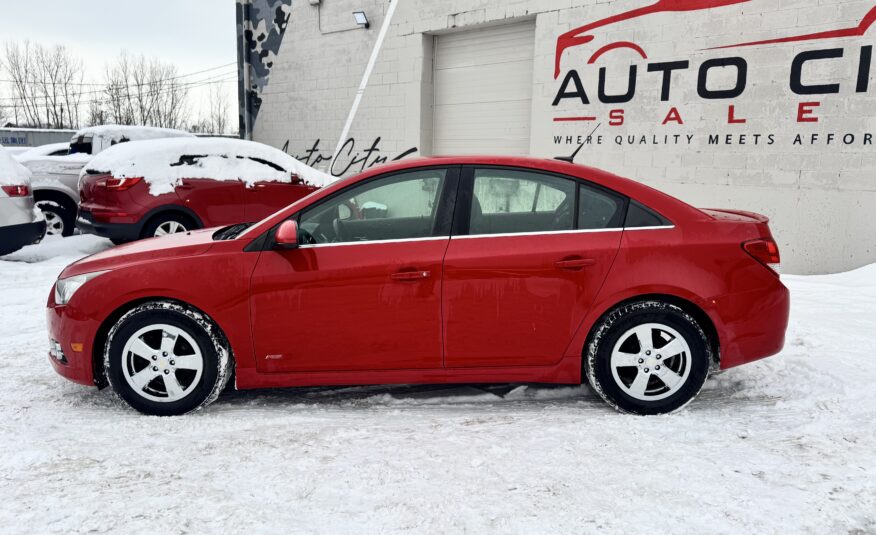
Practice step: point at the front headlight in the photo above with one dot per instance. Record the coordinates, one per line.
(65, 288)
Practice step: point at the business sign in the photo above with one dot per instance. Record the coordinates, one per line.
(760, 92)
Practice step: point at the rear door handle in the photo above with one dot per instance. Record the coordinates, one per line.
(574, 264)
(411, 275)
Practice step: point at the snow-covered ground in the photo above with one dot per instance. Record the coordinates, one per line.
(786, 445)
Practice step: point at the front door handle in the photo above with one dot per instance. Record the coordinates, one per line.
(411, 275)
(574, 264)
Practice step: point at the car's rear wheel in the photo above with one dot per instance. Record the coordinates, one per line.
(648, 357)
(60, 221)
(170, 223)
(165, 359)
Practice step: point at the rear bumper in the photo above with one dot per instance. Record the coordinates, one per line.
(119, 232)
(14, 237)
(754, 324)
(68, 333)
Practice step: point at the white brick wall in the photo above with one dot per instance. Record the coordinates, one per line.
(821, 197)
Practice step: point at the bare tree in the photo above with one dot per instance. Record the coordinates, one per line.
(143, 91)
(213, 119)
(46, 84)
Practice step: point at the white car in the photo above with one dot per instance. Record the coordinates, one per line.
(20, 223)
(55, 177)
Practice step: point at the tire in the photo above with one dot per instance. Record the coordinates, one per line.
(638, 378)
(170, 222)
(198, 358)
(60, 220)
(117, 241)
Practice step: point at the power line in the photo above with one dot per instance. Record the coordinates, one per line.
(95, 84)
(126, 89)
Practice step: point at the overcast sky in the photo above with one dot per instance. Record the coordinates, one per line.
(194, 34)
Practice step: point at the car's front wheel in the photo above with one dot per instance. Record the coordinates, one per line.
(164, 359)
(648, 357)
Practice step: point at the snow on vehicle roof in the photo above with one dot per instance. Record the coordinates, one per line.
(163, 163)
(133, 133)
(12, 173)
(42, 151)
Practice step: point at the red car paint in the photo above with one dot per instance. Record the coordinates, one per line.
(123, 213)
(501, 308)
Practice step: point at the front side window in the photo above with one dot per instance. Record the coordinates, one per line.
(401, 206)
(506, 201)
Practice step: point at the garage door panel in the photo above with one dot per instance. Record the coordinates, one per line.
(514, 117)
(500, 52)
(496, 83)
(483, 90)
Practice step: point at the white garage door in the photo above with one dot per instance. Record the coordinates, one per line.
(483, 91)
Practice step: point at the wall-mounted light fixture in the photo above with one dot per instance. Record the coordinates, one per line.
(361, 19)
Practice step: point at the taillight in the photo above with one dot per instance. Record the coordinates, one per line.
(118, 184)
(765, 251)
(16, 191)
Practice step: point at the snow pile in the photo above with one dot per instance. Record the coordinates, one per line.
(164, 163)
(784, 445)
(132, 133)
(12, 173)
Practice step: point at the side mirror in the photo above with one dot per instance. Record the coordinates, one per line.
(287, 235)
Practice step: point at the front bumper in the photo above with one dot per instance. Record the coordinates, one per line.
(14, 237)
(71, 337)
(118, 232)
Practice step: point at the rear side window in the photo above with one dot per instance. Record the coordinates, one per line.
(507, 201)
(639, 216)
(598, 209)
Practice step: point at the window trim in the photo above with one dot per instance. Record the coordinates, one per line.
(446, 202)
(462, 220)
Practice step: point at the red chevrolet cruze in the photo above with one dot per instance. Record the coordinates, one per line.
(442, 270)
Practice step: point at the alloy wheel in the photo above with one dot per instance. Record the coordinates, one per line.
(170, 227)
(54, 222)
(162, 363)
(651, 361)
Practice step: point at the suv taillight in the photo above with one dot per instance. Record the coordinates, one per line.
(765, 251)
(16, 191)
(118, 184)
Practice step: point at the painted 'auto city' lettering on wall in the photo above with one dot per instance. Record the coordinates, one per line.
(349, 159)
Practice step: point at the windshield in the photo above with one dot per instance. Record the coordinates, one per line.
(81, 145)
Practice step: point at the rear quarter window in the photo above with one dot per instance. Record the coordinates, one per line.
(640, 216)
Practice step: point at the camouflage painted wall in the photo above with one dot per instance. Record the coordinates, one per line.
(261, 25)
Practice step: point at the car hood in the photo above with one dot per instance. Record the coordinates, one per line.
(172, 246)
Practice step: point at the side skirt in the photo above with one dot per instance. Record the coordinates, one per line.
(567, 371)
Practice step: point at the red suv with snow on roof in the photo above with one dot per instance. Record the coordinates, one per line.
(151, 188)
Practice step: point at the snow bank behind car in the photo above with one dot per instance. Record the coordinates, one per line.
(164, 163)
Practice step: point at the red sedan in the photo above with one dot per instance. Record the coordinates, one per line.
(442, 270)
